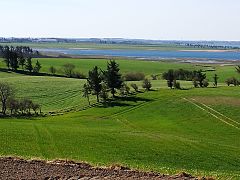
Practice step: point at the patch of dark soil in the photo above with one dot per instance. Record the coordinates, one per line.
(14, 168)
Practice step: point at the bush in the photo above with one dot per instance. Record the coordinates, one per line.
(154, 77)
(124, 90)
(134, 76)
(68, 69)
(78, 75)
(195, 83)
(135, 87)
(232, 81)
(177, 85)
(205, 83)
(147, 84)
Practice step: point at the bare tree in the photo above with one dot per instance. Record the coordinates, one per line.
(6, 92)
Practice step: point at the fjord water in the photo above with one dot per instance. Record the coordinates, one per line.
(151, 54)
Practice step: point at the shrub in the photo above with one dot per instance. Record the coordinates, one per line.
(68, 69)
(205, 83)
(134, 76)
(232, 81)
(124, 90)
(154, 77)
(79, 75)
(177, 85)
(195, 82)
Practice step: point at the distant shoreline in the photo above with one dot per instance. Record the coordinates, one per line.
(209, 50)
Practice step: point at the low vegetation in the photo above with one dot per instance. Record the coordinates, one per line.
(140, 124)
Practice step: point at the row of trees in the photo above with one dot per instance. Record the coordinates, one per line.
(8, 102)
(100, 83)
(20, 56)
(198, 78)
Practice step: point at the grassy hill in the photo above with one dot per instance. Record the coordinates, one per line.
(168, 131)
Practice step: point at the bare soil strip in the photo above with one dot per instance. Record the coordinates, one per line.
(14, 168)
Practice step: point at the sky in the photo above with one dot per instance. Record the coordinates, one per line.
(135, 19)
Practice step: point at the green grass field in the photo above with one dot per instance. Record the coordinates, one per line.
(165, 130)
(147, 67)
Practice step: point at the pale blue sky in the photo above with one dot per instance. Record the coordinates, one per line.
(149, 19)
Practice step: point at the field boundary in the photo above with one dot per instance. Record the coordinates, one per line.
(214, 113)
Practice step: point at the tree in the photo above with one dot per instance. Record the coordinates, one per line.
(169, 76)
(21, 61)
(37, 67)
(104, 93)
(6, 92)
(13, 59)
(52, 70)
(68, 69)
(238, 69)
(95, 80)
(86, 91)
(6, 56)
(147, 84)
(215, 80)
(13, 105)
(112, 77)
(28, 65)
(200, 76)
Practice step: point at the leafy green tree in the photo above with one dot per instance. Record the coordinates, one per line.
(6, 56)
(147, 84)
(21, 61)
(169, 76)
(112, 77)
(86, 91)
(28, 65)
(13, 59)
(37, 67)
(104, 93)
(95, 81)
(215, 80)
(201, 77)
(6, 93)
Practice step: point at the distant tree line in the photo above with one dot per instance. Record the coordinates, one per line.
(198, 78)
(14, 106)
(20, 56)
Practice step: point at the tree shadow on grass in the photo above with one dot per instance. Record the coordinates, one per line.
(123, 101)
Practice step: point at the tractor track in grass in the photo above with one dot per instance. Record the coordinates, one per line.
(214, 113)
(235, 122)
(45, 141)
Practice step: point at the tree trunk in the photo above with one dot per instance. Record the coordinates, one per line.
(97, 97)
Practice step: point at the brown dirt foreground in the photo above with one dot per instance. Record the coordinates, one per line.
(14, 168)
